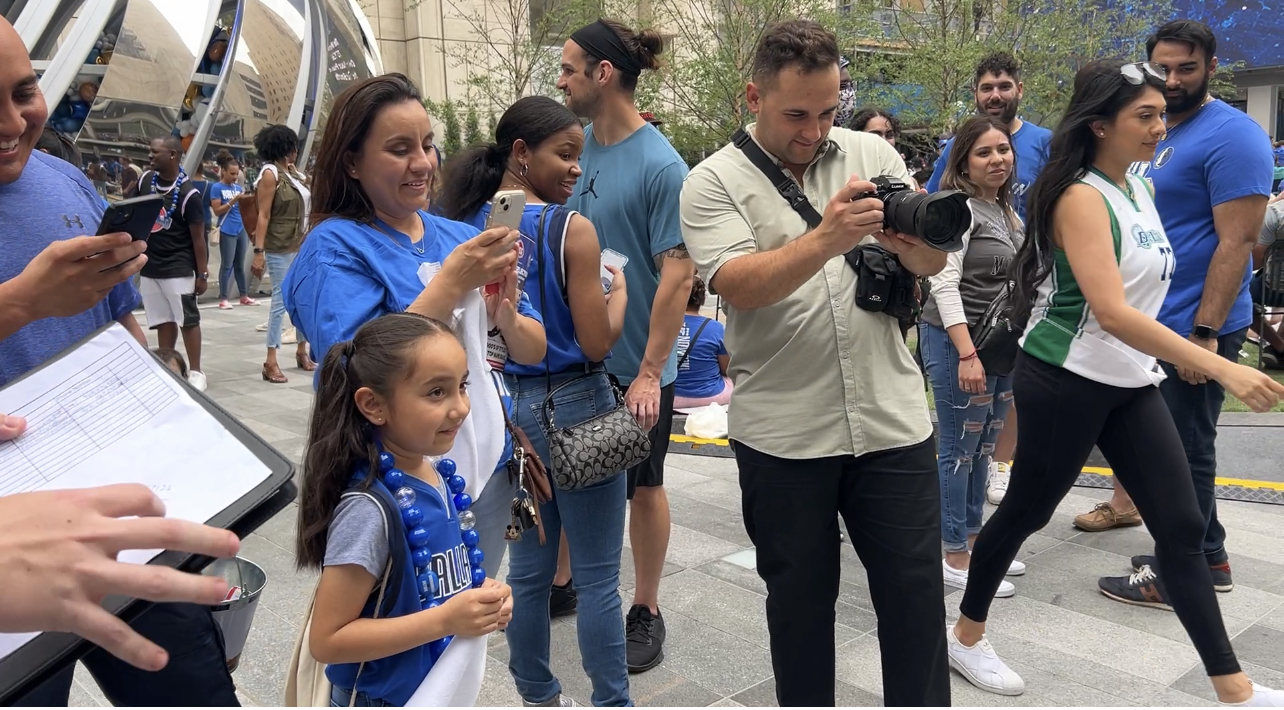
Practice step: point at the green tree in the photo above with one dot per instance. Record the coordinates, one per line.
(931, 52)
(447, 115)
(473, 135)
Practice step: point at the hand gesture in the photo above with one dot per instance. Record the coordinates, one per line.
(501, 303)
(485, 259)
(58, 550)
(477, 612)
(972, 376)
(643, 400)
(506, 610)
(849, 217)
(1251, 387)
(69, 277)
(619, 289)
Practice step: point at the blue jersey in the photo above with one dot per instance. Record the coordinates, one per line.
(49, 202)
(231, 224)
(630, 192)
(1030, 143)
(564, 351)
(699, 376)
(1215, 156)
(395, 678)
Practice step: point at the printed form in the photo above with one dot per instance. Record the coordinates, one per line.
(108, 412)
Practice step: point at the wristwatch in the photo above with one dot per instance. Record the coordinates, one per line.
(258, 250)
(204, 275)
(1204, 332)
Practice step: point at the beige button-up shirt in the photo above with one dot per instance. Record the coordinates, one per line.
(815, 375)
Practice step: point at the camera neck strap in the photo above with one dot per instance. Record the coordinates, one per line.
(784, 184)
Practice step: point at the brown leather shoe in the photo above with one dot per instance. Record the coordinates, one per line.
(1103, 516)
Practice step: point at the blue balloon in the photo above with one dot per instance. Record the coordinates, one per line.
(386, 461)
(393, 478)
(421, 557)
(446, 467)
(456, 483)
(476, 556)
(412, 515)
(429, 583)
(479, 576)
(463, 501)
(471, 538)
(417, 536)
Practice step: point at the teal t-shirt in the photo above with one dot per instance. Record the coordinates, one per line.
(629, 191)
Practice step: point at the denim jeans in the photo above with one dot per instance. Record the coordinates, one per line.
(278, 265)
(969, 425)
(232, 249)
(196, 674)
(594, 522)
(342, 698)
(1195, 409)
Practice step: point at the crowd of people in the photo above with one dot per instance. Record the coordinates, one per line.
(484, 390)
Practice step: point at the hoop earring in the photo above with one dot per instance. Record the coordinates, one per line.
(525, 168)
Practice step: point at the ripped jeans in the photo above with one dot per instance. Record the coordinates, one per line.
(968, 427)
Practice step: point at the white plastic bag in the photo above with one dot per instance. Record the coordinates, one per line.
(709, 422)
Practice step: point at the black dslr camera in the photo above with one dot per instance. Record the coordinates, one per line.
(940, 219)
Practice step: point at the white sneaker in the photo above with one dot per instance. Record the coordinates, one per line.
(957, 578)
(996, 485)
(1016, 569)
(196, 379)
(982, 667)
(290, 336)
(1263, 697)
(557, 701)
(262, 327)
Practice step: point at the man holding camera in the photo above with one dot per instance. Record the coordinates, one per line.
(828, 416)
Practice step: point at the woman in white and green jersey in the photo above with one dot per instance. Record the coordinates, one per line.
(1094, 269)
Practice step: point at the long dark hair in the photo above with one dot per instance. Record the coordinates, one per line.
(868, 113)
(473, 177)
(339, 436)
(955, 175)
(335, 193)
(1100, 93)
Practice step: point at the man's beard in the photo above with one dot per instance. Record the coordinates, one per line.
(584, 106)
(1009, 110)
(1187, 101)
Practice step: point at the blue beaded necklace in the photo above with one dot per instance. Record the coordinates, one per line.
(412, 515)
(166, 216)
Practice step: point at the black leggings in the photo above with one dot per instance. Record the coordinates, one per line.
(1062, 416)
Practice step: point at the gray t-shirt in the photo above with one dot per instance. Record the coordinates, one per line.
(974, 277)
(357, 536)
(1273, 224)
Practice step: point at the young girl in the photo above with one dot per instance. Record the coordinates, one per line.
(400, 570)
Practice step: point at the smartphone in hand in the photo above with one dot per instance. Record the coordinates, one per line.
(610, 257)
(135, 217)
(506, 209)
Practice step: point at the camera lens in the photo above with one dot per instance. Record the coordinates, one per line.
(939, 219)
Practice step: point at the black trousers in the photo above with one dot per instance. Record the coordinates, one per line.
(890, 502)
(1062, 416)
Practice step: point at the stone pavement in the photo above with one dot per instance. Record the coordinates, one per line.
(1071, 644)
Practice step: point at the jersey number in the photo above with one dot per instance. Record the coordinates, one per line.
(1170, 264)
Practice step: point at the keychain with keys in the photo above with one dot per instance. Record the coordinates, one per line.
(524, 513)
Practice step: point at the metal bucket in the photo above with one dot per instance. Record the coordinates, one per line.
(246, 581)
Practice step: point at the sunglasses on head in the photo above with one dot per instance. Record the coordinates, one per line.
(1135, 73)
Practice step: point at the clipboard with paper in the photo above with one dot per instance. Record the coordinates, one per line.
(105, 411)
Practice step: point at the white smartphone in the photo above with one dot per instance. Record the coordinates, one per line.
(610, 257)
(506, 209)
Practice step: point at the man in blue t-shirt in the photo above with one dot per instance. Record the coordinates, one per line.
(1212, 178)
(997, 89)
(58, 287)
(629, 190)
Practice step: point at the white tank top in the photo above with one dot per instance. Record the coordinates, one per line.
(1063, 330)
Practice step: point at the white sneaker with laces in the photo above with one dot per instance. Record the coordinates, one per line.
(957, 578)
(982, 667)
(1263, 697)
(196, 379)
(996, 485)
(557, 701)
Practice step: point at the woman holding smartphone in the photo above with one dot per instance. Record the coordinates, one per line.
(1092, 275)
(536, 156)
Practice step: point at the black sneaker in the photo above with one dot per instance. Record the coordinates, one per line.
(1143, 588)
(644, 638)
(1222, 581)
(562, 600)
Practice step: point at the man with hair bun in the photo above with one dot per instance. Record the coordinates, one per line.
(828, 416)
(629, 189)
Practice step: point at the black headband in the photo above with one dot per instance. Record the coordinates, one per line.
(599, 40)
